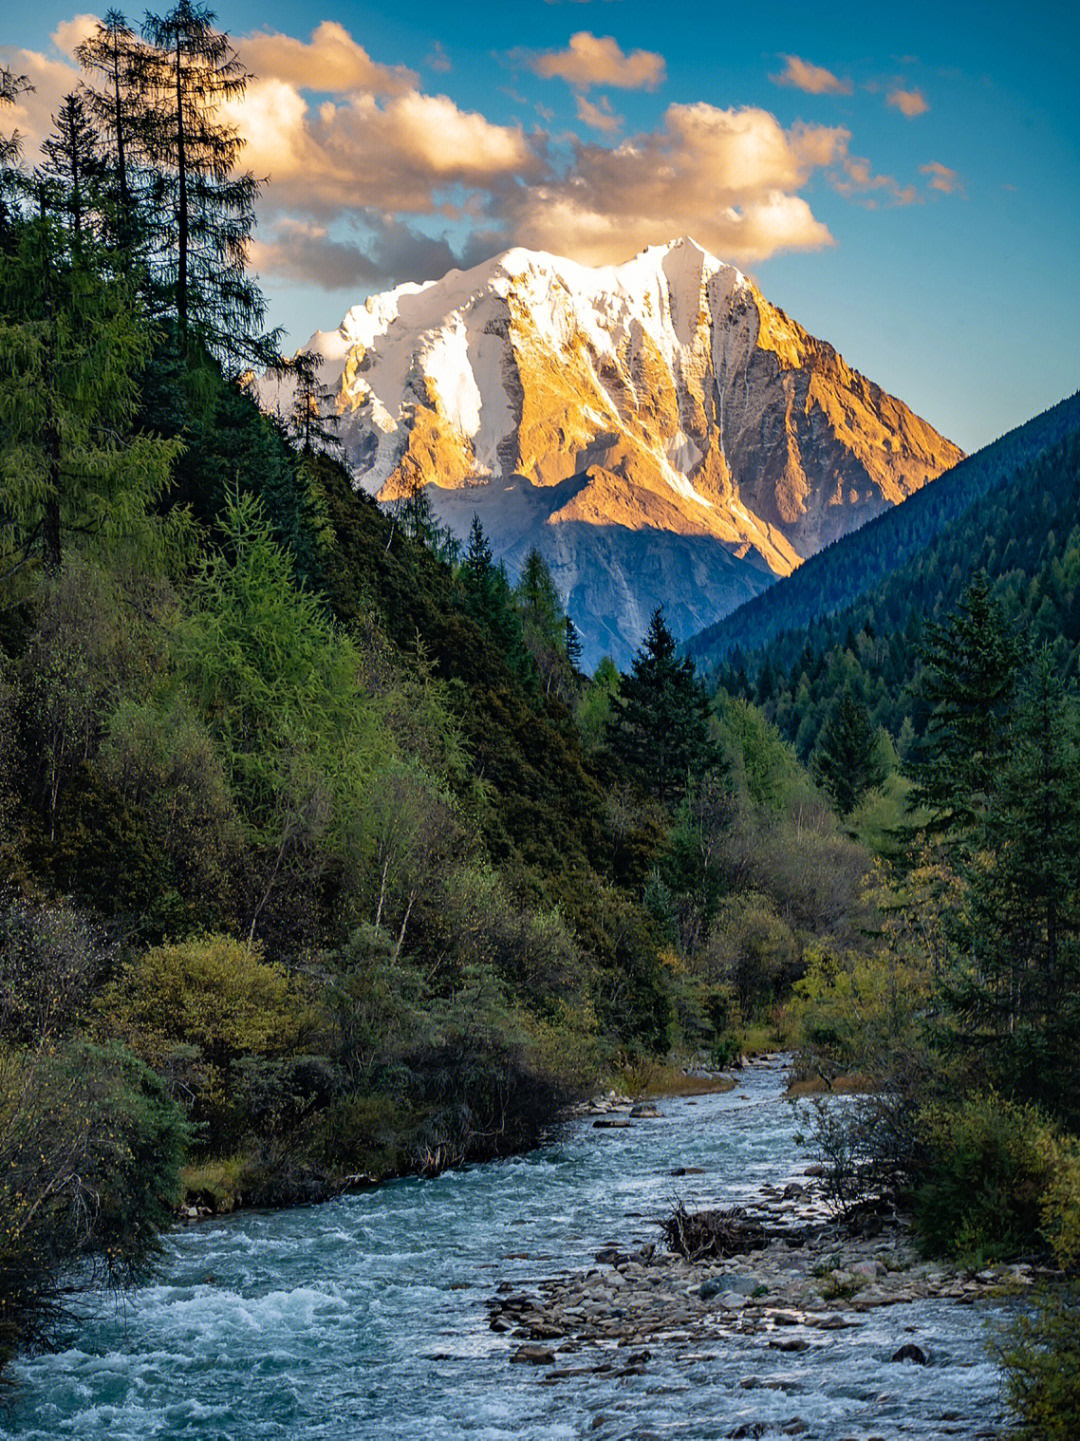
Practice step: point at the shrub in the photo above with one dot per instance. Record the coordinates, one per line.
(987, 1166)
(90, 1156)
(194, 1010)
(753, 949)
(1040, 1358)
(1061, 1209)
(50, 959)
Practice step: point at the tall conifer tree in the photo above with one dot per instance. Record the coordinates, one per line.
(661, 718)
(202, 208)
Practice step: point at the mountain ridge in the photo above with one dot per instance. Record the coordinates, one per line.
(664, 397)
(842, 574)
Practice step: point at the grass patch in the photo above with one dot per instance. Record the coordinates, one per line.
(221, 1184)
(648, 1079)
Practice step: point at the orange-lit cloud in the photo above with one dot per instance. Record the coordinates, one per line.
(331, 60)
(813, 79)
(725, 176)
(367, 170)
(942, 178)
(910, 103)
(600, 116)
(857, 181)
(32, 113)
(598, 60)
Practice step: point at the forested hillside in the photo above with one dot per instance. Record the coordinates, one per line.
(852, 567)
(1024, 534)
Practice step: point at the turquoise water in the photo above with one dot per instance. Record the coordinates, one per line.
(364, 1318)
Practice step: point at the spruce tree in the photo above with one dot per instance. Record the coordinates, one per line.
(1014, 988)
(969, 679)
(661, 733)
(846, 760)
(311, 422)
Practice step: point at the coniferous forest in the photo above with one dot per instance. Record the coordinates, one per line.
(321, 860)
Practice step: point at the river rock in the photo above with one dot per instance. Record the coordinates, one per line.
(535, 1355)
(913, 1353)
(612, 1123)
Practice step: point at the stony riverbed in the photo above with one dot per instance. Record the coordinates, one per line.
(370, 1318)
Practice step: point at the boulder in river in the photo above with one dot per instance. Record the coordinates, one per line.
(535, 1355)
(911, 1352)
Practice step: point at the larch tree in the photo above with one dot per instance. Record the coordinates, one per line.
(119, 64)
(72, 466)
(201, 207)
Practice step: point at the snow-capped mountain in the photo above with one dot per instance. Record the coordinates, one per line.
(660, 431)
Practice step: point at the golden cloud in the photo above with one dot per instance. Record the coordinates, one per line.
(942, 178)
(813, 79)
(910, 103)
(600, 116)
(331, 60)
(598, 60)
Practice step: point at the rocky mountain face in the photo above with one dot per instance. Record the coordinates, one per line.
(658, 430)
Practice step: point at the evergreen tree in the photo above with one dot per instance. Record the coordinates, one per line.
(969, 679)
(846, 760)
(660, 731)
(122, 65)
(11, 87)
(71, 346)
(70, 174)
(202, 209)
(1014, 990)
(311, 422)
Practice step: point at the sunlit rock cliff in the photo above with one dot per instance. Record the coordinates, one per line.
(657, 429)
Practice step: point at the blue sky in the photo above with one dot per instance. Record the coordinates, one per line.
(907, 186)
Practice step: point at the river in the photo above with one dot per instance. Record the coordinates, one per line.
(364, 1317)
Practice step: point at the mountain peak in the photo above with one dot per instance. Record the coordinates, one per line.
(659, 430)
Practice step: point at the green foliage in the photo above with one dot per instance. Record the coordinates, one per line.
(660, 731)
(753, 950)
(988, 1162)
(1023, 531)
(846, 760)
(90, 1155)
(194, 1010)
(968, 682)
(823, 595)
(1040, 1357)
(72, 340)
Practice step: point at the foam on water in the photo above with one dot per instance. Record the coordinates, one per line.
(363, 1319)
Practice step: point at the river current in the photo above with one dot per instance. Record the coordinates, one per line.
(363, 1319)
